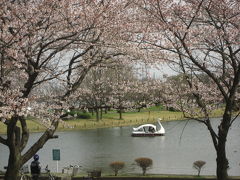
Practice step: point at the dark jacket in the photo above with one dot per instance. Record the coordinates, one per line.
(35, 167)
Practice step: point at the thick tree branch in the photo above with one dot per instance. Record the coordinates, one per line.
(3, 141)
(11, 139)
(25, 133)
(232, 121)
(213, 133)
(72, 61)
(48, 134)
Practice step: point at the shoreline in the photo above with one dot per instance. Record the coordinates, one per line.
(109, 121)
(137, 177)
(72, 125)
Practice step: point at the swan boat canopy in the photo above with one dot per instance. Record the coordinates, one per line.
(149, 130)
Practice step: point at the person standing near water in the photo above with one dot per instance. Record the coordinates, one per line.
(35, 167)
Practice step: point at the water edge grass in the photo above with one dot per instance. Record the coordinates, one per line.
(110, 119)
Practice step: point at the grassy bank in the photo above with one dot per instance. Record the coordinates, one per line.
(111, 119)
(157, 177)
(139, 177)
(146, 177)
(130, 118)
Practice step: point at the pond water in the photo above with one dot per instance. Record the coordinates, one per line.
(174, 153)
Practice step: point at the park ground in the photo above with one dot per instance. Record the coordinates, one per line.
(138, 177)
(111, 119)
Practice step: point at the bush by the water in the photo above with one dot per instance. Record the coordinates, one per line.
(172, 109)
(116, 166)
(79, 114)
(71, 113)
(198, 165)
(84, 116)
(144, 163)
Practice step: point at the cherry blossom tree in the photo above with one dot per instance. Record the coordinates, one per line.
(141, 93)
(123, 82)
(95, 91)
(108, 87)
(41, 43)
(199, 37)
(118, 86)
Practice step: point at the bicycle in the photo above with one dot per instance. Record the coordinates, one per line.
(50, 176)
(23, 175)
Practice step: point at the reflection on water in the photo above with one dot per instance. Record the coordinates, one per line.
(173, 153)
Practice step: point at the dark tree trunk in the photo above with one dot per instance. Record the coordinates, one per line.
(199, 171)
(120, 113)
(222, 161)
(144, 171)
(97, 114)
(101, 113)
(13, 143)
(14, 164)
(16, 143)
(222, 164)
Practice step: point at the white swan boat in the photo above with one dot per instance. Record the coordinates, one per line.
(149, 130)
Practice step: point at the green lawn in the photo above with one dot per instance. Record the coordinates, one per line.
(111, 119)
(33, 126)
(129, 118)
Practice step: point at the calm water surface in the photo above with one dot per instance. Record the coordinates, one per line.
(173, 153)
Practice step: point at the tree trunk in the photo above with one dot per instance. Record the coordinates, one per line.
(101, 113)
(222, 166)
(144, 171)
(13, 143)
(222, 161)
(97, 114)
(14, 164)
(220, 146)
(16, 144)
(120, 113)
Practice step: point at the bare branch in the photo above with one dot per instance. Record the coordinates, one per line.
(232, 121)
(3, 141)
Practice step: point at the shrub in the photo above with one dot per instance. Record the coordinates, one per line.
(172, 109)
(83, 115)
(116, 166)
(71, 113)
(144, 163)
(198, 165)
